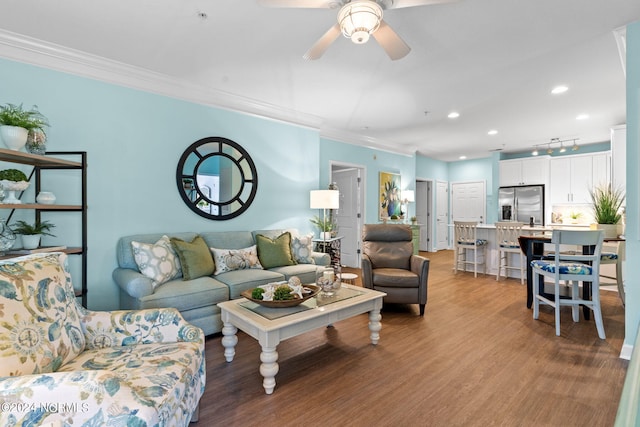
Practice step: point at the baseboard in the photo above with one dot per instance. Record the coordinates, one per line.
(627, 350)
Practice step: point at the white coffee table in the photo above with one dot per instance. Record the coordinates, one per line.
(282, 323)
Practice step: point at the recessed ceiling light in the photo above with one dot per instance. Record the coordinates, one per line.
(559, 89)
(462, 157)
(492, 132)
(582, 117)
(453, 115)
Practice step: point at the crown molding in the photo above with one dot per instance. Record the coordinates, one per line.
(20, 48)
(620, 35)
(368, 142)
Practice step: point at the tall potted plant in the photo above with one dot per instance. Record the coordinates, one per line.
(16, 123)
(607, 209)
(31, 233)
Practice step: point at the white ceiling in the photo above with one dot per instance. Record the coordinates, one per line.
(493, 61)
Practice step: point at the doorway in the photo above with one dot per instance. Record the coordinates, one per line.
(350, 214)
(442, 215)
(424, 214)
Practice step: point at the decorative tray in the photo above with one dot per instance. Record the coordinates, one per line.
(313, 290)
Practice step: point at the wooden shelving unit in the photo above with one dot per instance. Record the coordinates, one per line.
(50, 161)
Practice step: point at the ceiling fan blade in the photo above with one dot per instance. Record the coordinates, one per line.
(391, 42)
(399, 4)
(318, 49)
(310, 4)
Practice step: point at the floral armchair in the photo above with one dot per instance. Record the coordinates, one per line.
(64, 365)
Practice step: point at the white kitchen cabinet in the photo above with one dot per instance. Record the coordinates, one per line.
(530, 171)
(573, 177)
(619, 156)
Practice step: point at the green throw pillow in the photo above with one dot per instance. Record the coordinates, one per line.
(195, 257)
(275, 252)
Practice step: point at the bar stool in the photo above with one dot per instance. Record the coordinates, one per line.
(466, 239)
(507, 233)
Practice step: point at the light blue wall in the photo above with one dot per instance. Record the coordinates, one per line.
(134, 140)
(427, 168)
(374, 162)
(632, 231)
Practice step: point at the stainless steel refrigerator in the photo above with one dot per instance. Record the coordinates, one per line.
(521, 203)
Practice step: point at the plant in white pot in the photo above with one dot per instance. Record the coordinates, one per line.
(325, 226)
(607, 209)
(31, 233)
(13, 180)
(16, 123)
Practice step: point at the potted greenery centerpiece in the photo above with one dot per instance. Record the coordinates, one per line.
(31, 233)
(325, 226)
(607, 209)
(16, 123)
(13, 180)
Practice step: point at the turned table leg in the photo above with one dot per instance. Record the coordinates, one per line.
(375, 325)
(269, 368)
(229, 341)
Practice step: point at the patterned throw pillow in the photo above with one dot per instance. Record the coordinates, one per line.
(235, 259)
(158, 261)
(41, 328)
(301, 249)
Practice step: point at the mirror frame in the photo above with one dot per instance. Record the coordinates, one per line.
(241, 160)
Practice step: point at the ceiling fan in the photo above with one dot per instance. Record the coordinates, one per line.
(357, 20)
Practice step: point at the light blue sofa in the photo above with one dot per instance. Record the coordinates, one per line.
(197, 299)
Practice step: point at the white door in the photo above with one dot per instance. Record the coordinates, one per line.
(468, 201)
(423, 213)
(442, 215)
(349, 215)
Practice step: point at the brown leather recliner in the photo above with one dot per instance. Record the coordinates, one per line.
(388, 264)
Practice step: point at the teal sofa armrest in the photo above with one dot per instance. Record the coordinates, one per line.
(320, 258)
(133, 282)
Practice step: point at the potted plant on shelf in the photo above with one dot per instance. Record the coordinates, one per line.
(31, 233)
(414, 220)
(16, 123)
(607, 209)
(325, 226)
(13, 180)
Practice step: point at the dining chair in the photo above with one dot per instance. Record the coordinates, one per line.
(507, 233)
(573, 267)
(466, 238)
(615, 257)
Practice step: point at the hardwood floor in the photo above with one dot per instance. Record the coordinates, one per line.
(477, 358)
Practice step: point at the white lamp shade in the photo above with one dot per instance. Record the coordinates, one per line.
(408, 196)
(324, 199)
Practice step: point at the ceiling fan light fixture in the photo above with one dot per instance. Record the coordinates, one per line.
(359, 19)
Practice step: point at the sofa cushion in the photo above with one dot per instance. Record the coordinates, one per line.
(158, 261)
(302, 248)
(275, 252)
(235, 259)
(307, 273)
(195, 257)
(200, 292)
(39, 319)
(242, 280)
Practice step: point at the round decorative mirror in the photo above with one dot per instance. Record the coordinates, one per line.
(217, 178)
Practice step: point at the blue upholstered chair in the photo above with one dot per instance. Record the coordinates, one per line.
(466, 238)
(573, 267)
